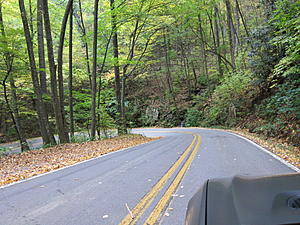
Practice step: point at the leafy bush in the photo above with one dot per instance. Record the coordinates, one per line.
(286, 20)
(192, 117)
(285, 103)
(231, 98)
(3, 150)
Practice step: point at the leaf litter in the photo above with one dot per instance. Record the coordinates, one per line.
(31, 163)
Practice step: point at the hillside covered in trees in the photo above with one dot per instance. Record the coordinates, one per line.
(94, 65)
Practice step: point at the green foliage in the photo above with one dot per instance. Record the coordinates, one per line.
(3, 150)
(177, 78)
(285, 103)
(80, 138)
(286, 21)
(192, 117)
(106, 121)
(263, 56)
(82, 104)
(231, 98)
(47, 145)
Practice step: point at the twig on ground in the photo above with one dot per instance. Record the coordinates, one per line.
(131, 214)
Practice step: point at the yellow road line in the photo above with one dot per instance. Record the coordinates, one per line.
(147, 199)
(154, 216)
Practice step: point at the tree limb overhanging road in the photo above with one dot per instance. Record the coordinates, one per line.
(149, 183)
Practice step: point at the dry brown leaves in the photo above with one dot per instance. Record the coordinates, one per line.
(27, 164)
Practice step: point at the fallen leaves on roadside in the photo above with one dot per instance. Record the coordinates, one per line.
(28, 164)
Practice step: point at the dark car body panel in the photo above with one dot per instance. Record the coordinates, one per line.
(244, 200)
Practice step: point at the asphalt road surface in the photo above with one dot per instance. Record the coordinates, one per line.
(147, 184)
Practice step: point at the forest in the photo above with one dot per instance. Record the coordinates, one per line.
(71, 65)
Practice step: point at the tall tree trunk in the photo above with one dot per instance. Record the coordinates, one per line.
(34, 75)
(133, 39)
(100, 86)
(167, 59)
(86, 47)
(71, 74)
(41, 47)
(242, 17)
(194, 76)
(123, 88)
(31, 19)
(217, 38)
(230, 32)
(60, 61)
(222, 30)
(185, 66)
(94, 71)
(42, 70)
(121, 124)
(62, 133)
(236, 31)
(203, 50)
(99, 127)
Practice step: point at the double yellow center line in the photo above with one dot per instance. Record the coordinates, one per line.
(141, 207)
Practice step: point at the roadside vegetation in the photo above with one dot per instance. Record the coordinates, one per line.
(70, 65)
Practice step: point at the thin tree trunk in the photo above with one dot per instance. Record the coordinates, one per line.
(42, 70)
(237, 31)
(63, 135)
(230, 32)
(203, 50)
(94, 71)
(121, 124)
(242, 17)
(221, 29)
(184, 61)
(15, 114)
(41, 47)
(133, 39)
(100, 86)
(60, 61)
(195, 76)
(98, 128)
(217, 38)
(31, 19)
(85, 43)
(71, 74)
(123, 86)
(167, 58)
(15, 119)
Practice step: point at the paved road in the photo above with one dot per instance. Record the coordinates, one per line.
(138, 180)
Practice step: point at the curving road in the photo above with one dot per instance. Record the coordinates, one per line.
(146, 184)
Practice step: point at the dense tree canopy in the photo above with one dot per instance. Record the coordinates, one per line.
(72, 65)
